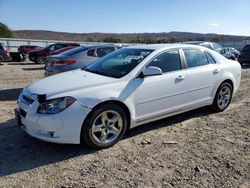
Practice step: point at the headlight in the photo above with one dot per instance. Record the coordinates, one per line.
(55, 106)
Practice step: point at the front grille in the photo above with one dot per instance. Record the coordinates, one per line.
(28, 100)
(22, 112)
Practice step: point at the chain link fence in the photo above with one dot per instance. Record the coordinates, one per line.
(13, 43)
(235, 44)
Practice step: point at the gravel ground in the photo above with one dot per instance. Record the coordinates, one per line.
(195, 149)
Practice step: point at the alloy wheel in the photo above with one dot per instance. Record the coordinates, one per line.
(107, 127)
(224, 97)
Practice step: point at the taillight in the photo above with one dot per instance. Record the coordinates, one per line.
(66, 62)
(7, 52)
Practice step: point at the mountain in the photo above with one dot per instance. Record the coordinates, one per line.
(163, 37)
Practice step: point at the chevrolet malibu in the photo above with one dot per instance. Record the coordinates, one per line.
(125, 89)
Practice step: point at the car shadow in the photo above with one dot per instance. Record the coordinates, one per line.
(245, 66)
(10, 94)
(21, 63)
(32, 69)
(204, 111)
(20, 152)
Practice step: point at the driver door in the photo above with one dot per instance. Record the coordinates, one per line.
(162, 94)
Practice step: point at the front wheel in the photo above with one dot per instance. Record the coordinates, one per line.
(223, 97)
(105, 126)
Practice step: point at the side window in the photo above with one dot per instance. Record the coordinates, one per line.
(195, 57)
(210, 59)
(104, 51)
(167, 61)
(58, 46)
(91, 53)
(52, 48)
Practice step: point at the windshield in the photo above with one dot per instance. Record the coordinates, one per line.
(118, 63)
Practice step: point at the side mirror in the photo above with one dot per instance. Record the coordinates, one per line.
(152, 71)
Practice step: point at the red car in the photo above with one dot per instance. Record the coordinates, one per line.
(39, 55)
(62, 50)
(24, 49)
(4, 53)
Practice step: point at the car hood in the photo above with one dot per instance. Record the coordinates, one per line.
(68, 83)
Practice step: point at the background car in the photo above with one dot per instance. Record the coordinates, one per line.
(4, 53)
(228, 51)
(214, 46)
(76, 58)
(62, 50)
(24, 49)
(38, 56)
(245, 55)
(124, 89)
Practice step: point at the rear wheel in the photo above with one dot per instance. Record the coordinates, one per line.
(40, 60)
(104, 127)
(223, 97)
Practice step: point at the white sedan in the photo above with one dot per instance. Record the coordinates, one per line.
(124, 89)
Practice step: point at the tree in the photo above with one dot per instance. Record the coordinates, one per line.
(112, 39)
(5, 32)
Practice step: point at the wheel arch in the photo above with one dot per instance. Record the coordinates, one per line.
(228, 81)
(115, 102)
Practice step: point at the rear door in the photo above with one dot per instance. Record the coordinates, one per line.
(202, 72)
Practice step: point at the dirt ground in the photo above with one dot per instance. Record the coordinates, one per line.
(196, 149)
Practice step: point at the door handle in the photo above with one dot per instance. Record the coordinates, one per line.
(216, 71)
(180, 77)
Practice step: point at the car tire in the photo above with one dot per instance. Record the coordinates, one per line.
(104, 127)
(40, 60)
(222, 97)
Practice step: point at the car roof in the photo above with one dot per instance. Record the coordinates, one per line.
(99, 45)
(161, 46)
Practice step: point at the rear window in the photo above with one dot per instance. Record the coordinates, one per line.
(74, 51)
(91, 53)
(216, 46)
(207, 45)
